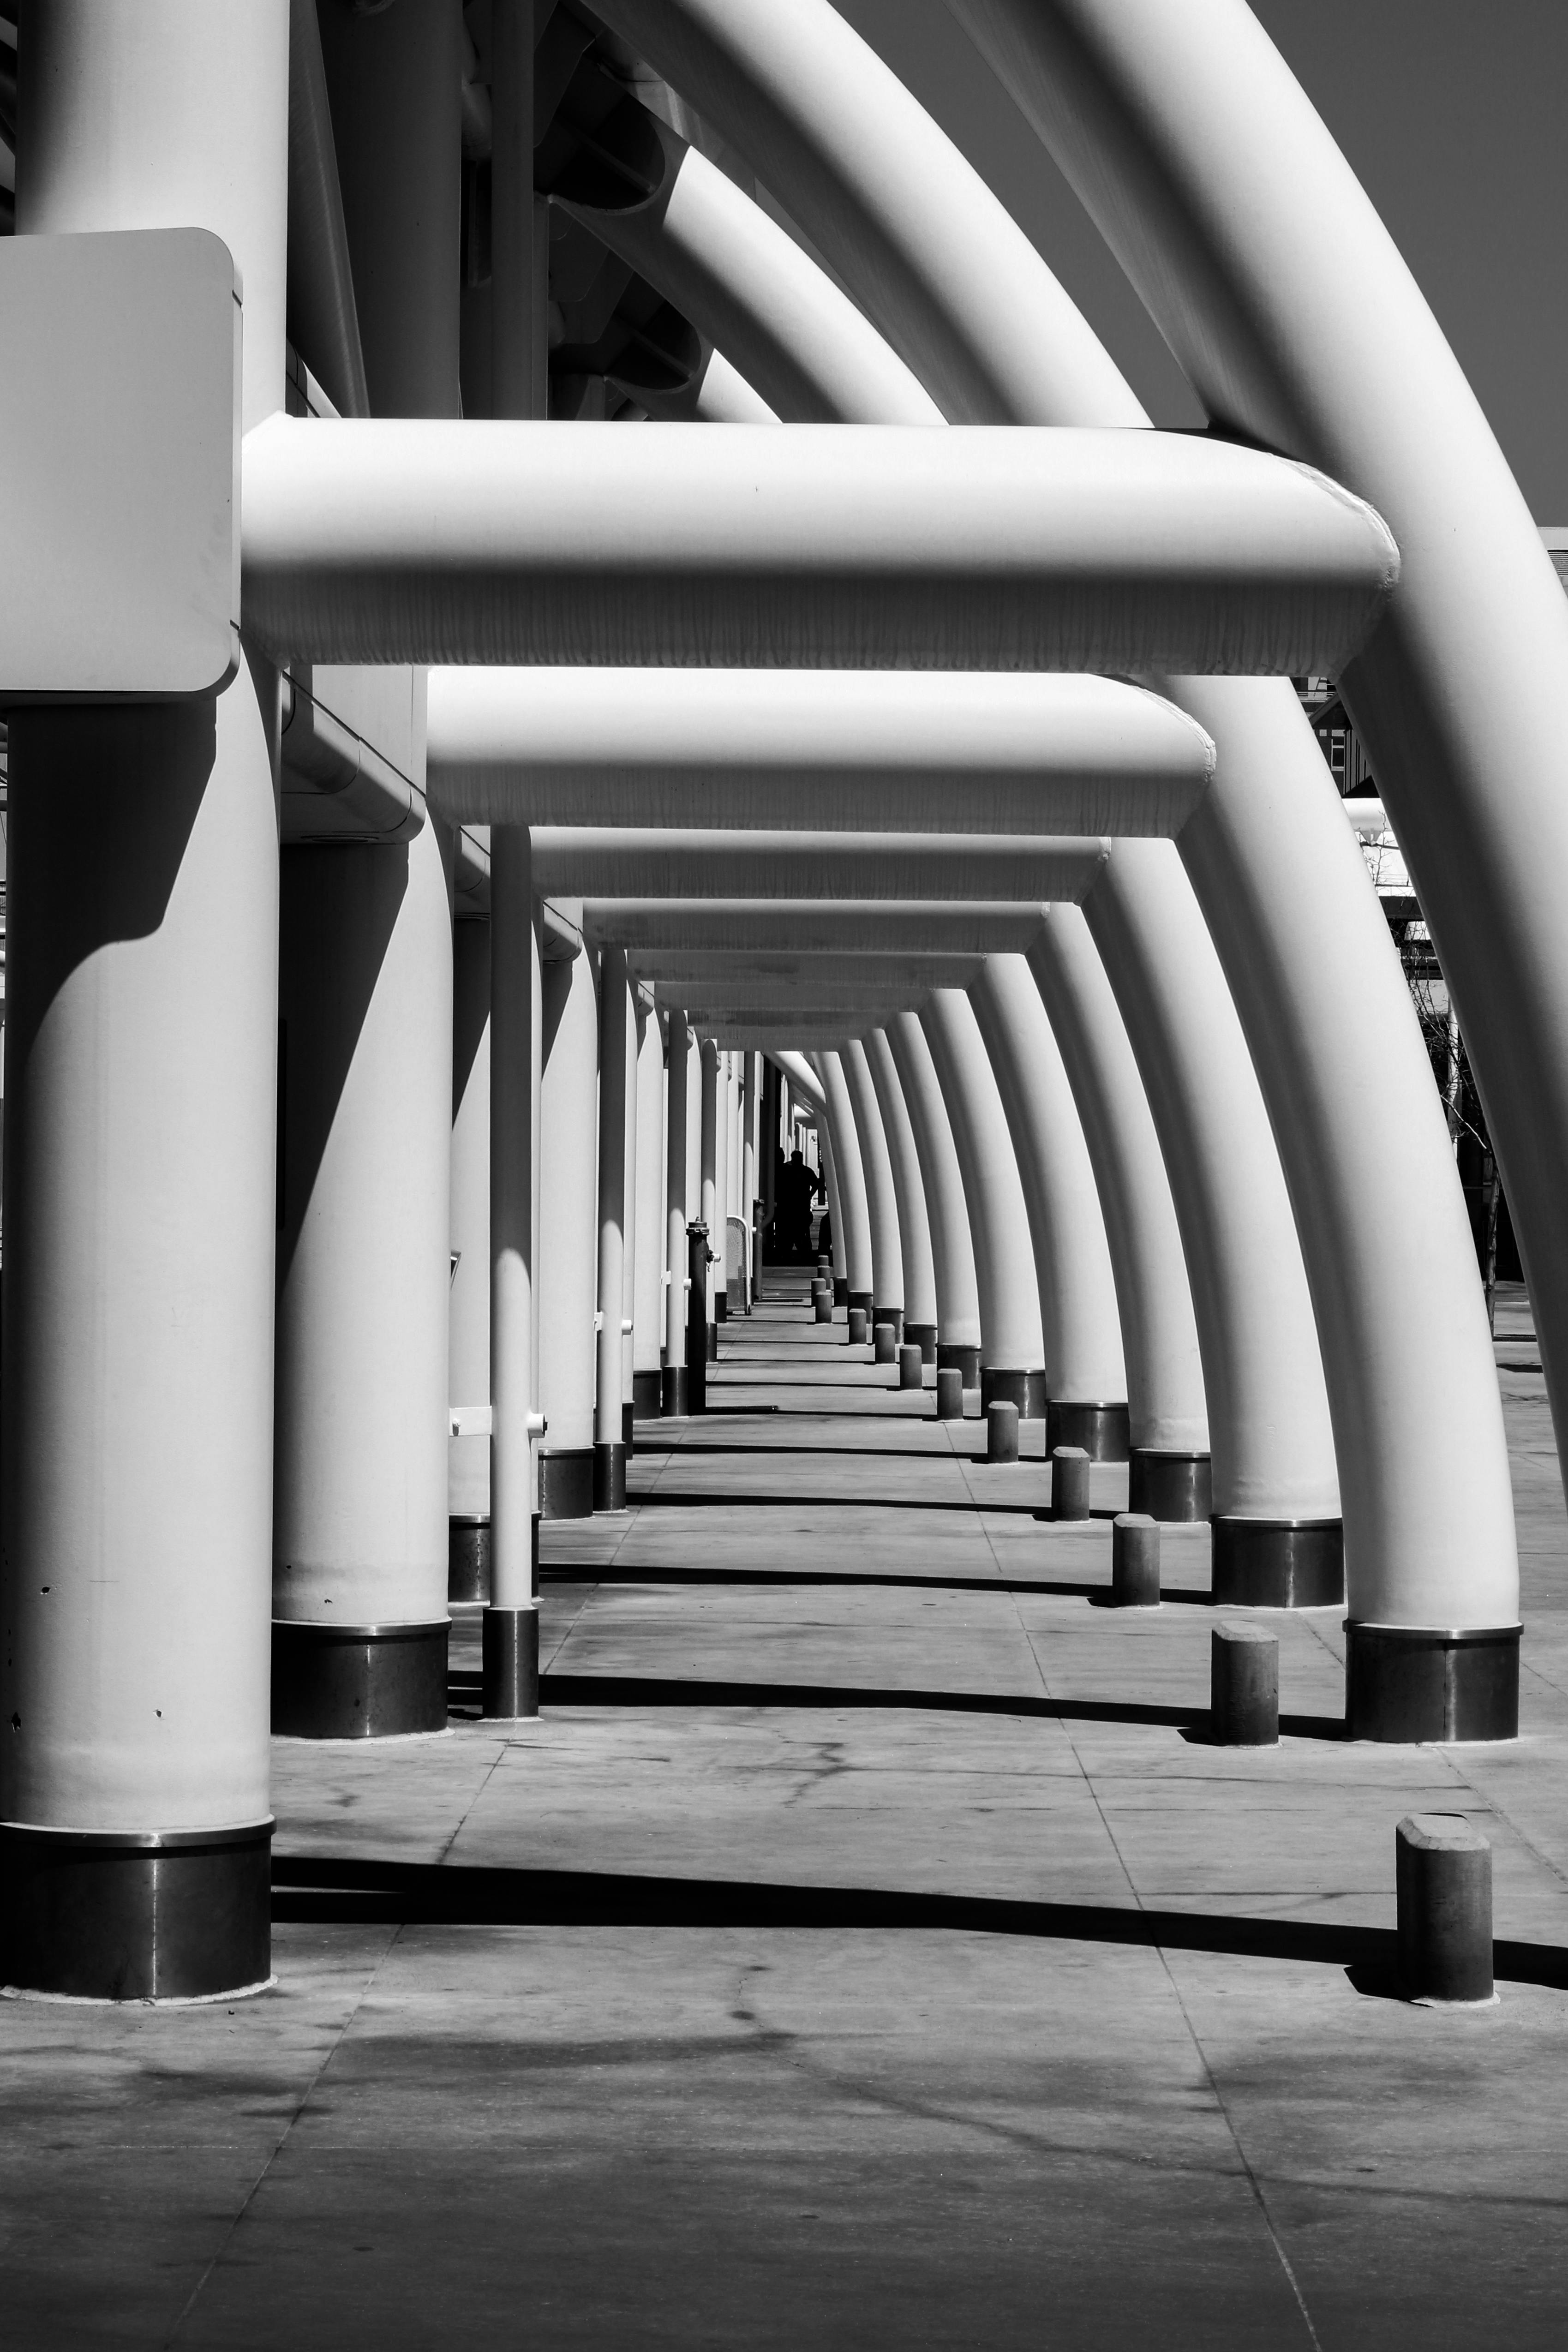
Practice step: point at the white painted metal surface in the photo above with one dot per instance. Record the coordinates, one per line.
(841, 749)
(1079, 1321)
(865, 547)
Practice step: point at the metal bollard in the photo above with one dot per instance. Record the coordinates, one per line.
(1001, 1432)
(884, 1345)
(1443, 1877)
(857, 1333)
(1069, 1483)
(1244, 1686)
(1134, 1561)
(949, 1392)
(911, 1369)
(822, 1303)
(825, 1267)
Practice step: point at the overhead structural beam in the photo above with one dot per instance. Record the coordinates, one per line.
(854, 750)
(901, 976)
(870, 547)
(797, 1024)
(806, 927)
(682, 977)
(590, 863)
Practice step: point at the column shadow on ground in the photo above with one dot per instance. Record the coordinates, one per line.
(571, 1572)
(790, 1449)
(726, 1499)
(345, 1891)
(647, 1690)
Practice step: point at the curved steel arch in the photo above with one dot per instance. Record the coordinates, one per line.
(937, 262)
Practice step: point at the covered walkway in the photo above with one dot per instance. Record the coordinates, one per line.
(863, 1945)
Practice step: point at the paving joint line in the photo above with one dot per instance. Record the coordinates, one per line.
(1201, 2054)
(307, 2094)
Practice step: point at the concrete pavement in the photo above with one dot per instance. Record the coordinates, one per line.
(865, 1946)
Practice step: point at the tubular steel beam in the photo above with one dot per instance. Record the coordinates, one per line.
(865, 547)
(846, 749)
(592, 863)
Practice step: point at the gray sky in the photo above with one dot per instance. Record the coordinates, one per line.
(1450, 112)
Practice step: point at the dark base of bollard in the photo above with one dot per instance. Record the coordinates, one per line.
(1069, 1483)
(1176, 1486)
(893, 1315)
(1001, 1432)
(1099, 1429)
(609, 1478)
(1134, 1561)
(953, 1355)
(508, 1664)
(923, 1336)
(713, 1343)
(1410, 1682)
(468, 1560)
(1243, 1689)
(358, 1682)
(998, 1385)
(722, 1306)
(840, 1290)
(566, 1483)
(648, 1395)
(672, 1390)
(182, 1916)
(628, 1426)
(1443, 1874)
(1279, 1563)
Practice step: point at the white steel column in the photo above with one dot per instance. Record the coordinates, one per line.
(951, 1244)
(1086, 1378)
(839, 1249)
(919, 1329)
(1278, 1537)
(1168, 1475)
(851, 1210)
(509, 1679)
(140, 1148)
(636, 1016)
(569, 1123)
(359, 1592)
(710, 1214)
(468, 1322)
(881, 1200)
(648, 1289)
(1011, 1347)
(697, 1294)
(751, 1125)
(359, 1536)
(615, 1022)
(673, 1381)
(510, 1658)
(723, 1182)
